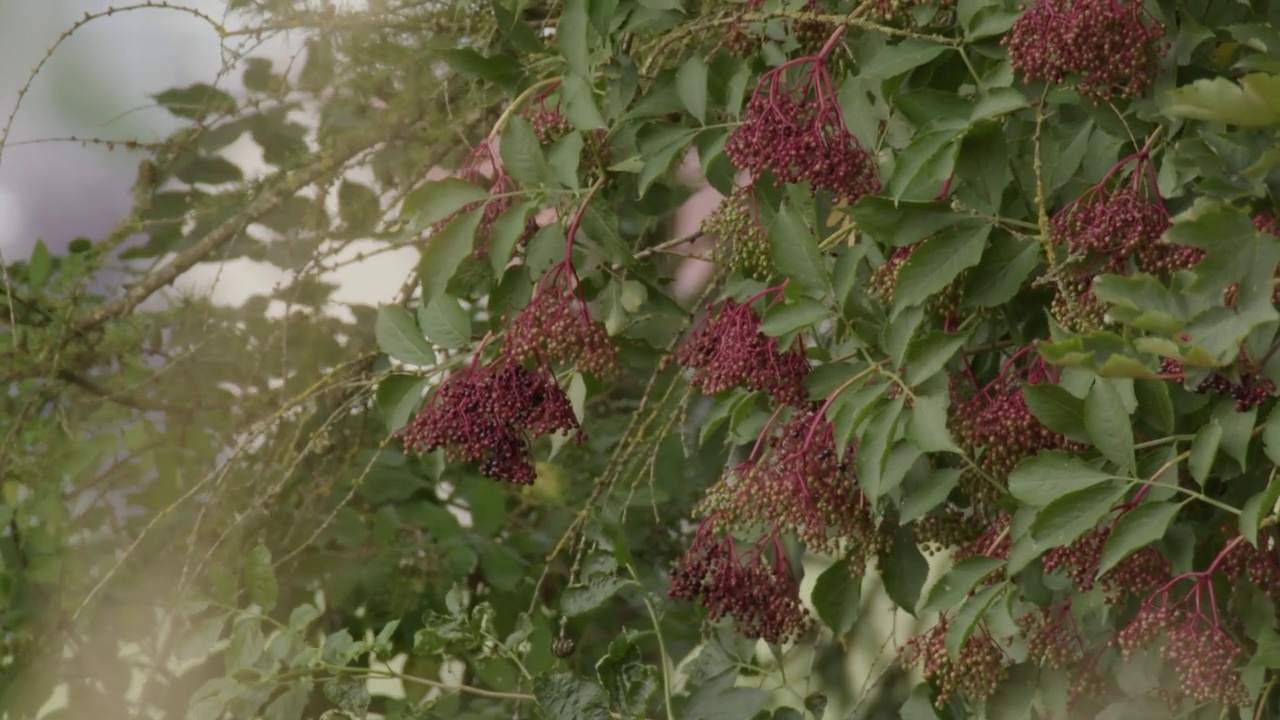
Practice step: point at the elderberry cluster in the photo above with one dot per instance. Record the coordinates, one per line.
(555, 325)
(1139, 574)
(551, 124)
(1106, 48)
(1109, 228)
(1053, 638)
(759, 591)
(999, 422)
(977, 671)
(728, 350)
(800, 484)
(1250, 392)
(1200, 651)
(486, 414)
(798, 135)
(742, 237)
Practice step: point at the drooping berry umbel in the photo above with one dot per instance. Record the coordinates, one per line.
(728, 350)
(744, 242)
(1105, 49)
(556, 326)
(793, 129)
(487, 414)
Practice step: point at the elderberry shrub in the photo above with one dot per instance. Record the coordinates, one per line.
(757, 587)
(486, 414)
(1106, 49)
(728, 350)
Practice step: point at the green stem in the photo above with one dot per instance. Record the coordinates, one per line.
(662, 646)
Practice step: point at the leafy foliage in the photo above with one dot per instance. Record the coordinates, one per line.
(987, 350)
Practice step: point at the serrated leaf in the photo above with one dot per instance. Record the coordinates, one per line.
(445, 322)
(924, 164)
(579, 102)
(1065, 519)
(1253, 102)
(571, 37)
(1204, 450)
(969, 615)
(1137, 529)
(445, 251)
(521, 153)
(789, 317)
(1271, 436)
(836, 597)
(897, 59)
(927, 427)
(903, 222)
(1039, 480)
(399, 337)
(660, 144)
(1256, 509)
(1108, 425)
(626, 678)
(260, 578)
(795, 250)
(1059, 410)
(1005, 266)
(437, 200)
(937, 262)
(929, 353)
(691, 85)
(564, 696)
(927, 492)
(397, 397)
(952, 588)
(904, 570)
(589, 595)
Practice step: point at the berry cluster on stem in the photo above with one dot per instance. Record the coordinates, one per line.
(1106, 49)
(550, 124)
(756, 586)
(556, 326)
(728, 350)
(1249, 392)
(478, 166)
(736, 222)
(794, 130)
(977, 671)
(487, 414)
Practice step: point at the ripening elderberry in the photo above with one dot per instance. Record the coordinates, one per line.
(1137, 575)
(757, 587)
(486, 414)
(977, 671)
(550, 124)
(728, 350)
(1106, 49)
(556, 325)
(1053, 638)
(742, 238)
(796, 132)
(1251, 391)
(800, 484)
(884, 281)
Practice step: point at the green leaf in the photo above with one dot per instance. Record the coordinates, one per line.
(937, 262)
(350, 694)
(1154, 404)
(969, 615)
(795, 250)
(836, 597)
(1204, 450)
(246, 645)
(691, 85)
(579, 103)
(929, 353)
(437, 200)
(924, 164)
(1136, 529)
(874, 446)
(39, 266)
(521, 153)
(571, 37)
(599, 583)
(952, 588)
(497, 69)
(290, 704)
(1253, 102)
(897, 59)
(445, 322)
(260, 578)
(927, 427)
(1005, 266)
(660, 144)
(1271, 436)
(898, 223)
(445, 251)
(398, 336)
(506, 232)
(1073, 514)
(1256, 509)
(627, 679)
(1059, 410)
(904, 570)
(1039, 480)
(1107, 422)
(397, 397)
(564, 696)
(195, 101)
(789, 317)
(921, 495)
